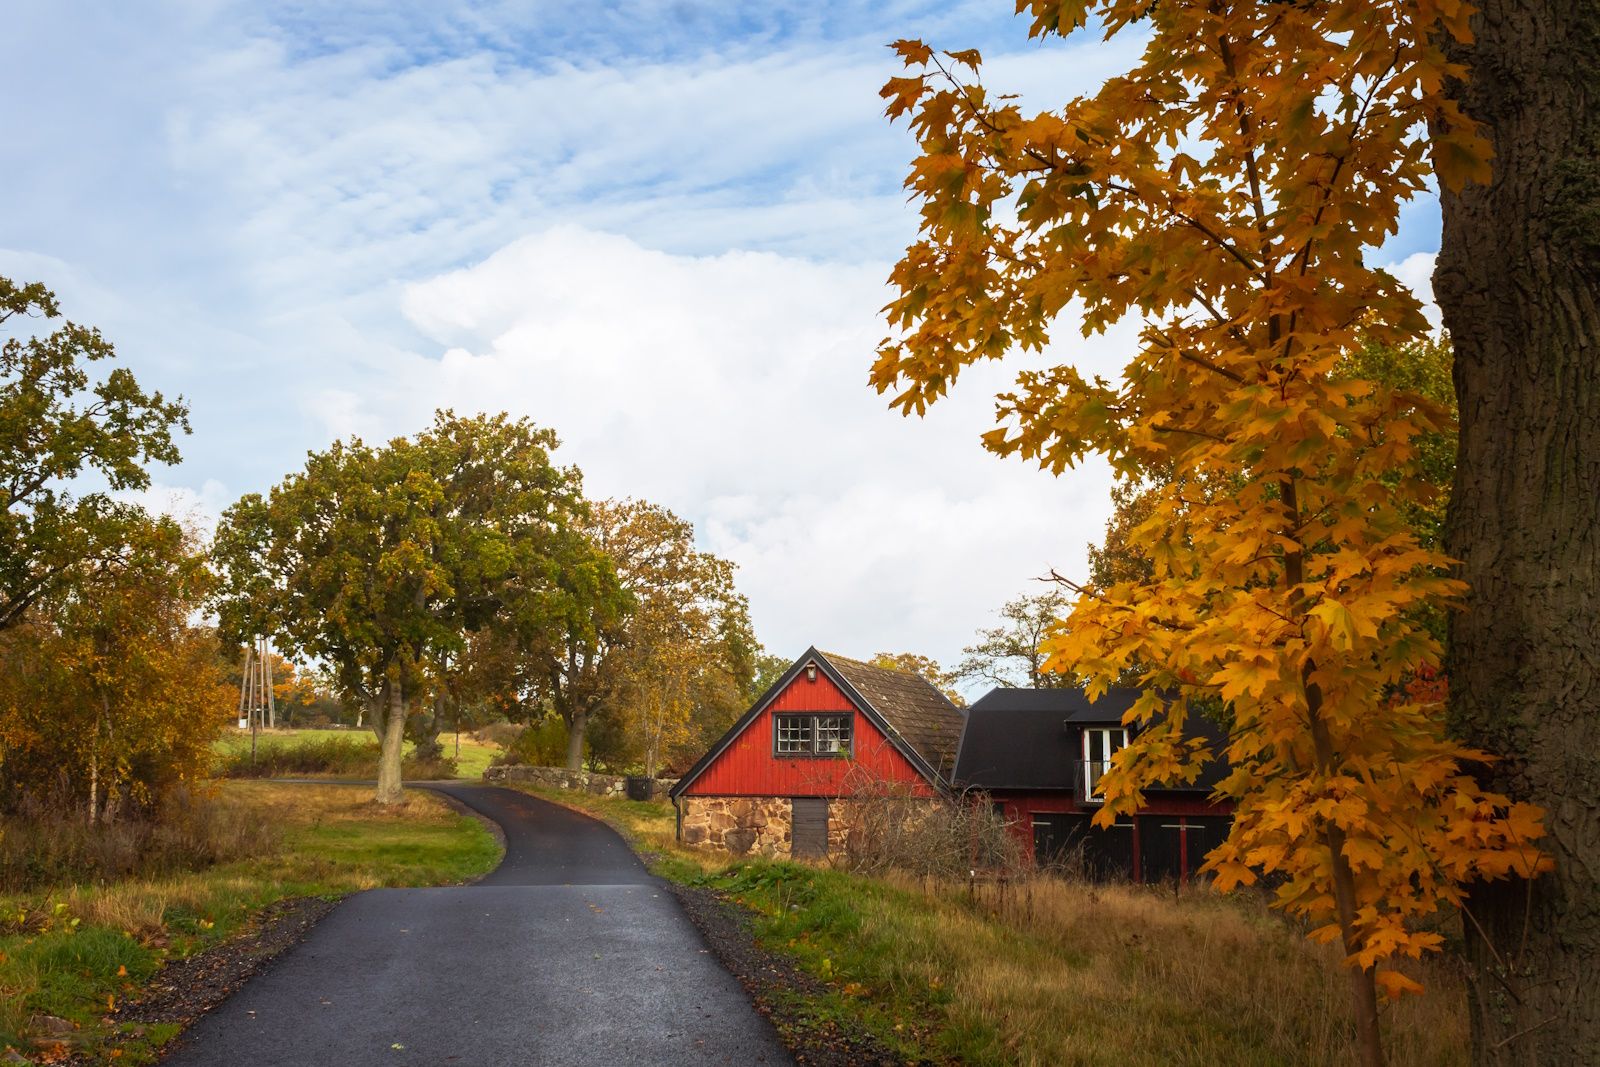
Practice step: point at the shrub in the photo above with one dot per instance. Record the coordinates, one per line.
(340, 755)
(892, 828)
(47, 843)
(502, 734)
(543, 744)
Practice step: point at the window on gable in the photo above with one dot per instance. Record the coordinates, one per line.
(1100, 743)
(812, 734)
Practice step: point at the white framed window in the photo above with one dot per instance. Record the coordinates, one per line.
(1100, 743)
(812, 734)
(794, 734)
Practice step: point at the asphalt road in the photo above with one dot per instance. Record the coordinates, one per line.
(568, 953)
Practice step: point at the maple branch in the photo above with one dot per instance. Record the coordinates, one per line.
(1094, 594)
(1221, 319)
(1246, 133)
(1194, 223)
(1196, 358)
(1304, 255)
(981, 116)
(1195, 433)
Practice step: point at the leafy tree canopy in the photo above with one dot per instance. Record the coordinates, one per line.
(1224, 192)
(58, 422)
(381, 561)
(1012, 654)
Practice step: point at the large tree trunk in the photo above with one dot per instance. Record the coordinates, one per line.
(1518, 281)
(577, 726)
(393, 744)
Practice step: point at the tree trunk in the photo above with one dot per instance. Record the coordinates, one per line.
(577, 726)
(1518, 282)
(94, 784)
(393, 744)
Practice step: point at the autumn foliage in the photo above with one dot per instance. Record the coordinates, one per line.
(109, 696)
(1226, 192)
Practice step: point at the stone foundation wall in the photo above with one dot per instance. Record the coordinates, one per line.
(738, 826)
(604, 785)
(762, 826)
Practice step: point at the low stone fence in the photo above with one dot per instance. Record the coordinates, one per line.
(603, 785)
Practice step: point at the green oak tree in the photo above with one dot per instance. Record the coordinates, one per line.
(60, 421)
(380, 561)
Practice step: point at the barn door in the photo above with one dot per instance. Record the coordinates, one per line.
(809, 827)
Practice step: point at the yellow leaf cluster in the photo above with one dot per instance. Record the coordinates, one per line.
(1227, 193)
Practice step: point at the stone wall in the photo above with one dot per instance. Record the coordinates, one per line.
(604, 785)
(738, 826)
(743, 826)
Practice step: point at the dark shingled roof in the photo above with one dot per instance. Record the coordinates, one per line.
(1027, 738)
(922, 716)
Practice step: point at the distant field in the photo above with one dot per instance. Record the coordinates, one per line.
(473, 761)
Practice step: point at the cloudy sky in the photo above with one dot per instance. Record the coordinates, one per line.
(661, 228)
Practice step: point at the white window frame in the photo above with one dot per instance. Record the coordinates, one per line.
(1113, 740)
(826, 733)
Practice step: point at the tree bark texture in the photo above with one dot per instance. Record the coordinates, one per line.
(1518, 282)
(577, 726)
(392, 745)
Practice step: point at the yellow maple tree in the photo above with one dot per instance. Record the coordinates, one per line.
(1226, 192)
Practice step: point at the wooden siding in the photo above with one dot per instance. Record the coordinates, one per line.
(1018, 809)
(748, 767)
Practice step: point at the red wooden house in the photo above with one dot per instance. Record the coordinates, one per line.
(1039, 754)
(774, 782)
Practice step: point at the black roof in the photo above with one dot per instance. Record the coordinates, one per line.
(1071, 704)
(1030, 739)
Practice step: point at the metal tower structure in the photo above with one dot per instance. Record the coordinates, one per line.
(257, 707)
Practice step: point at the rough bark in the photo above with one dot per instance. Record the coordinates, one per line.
(1518, 282)
(577, 726)
(393, 744)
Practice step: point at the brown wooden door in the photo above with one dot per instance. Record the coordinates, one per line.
(808, 827)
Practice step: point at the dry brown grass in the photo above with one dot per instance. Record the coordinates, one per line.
(1070, 973)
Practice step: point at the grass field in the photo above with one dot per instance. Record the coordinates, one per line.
(1053, 972)
(473, 760)
(73, 953)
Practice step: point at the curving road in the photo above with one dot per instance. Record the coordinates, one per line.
(570, 952)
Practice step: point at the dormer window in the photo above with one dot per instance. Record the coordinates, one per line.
(1100, 743)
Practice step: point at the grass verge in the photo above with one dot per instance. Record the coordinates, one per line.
(361, 759)
(1046, 971)
(69, 956)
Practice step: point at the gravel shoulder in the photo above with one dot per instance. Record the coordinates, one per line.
(779, 989)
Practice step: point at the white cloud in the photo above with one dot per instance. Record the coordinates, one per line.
(1416, 273)
(197, 509)
(266, 207)
(732, 388)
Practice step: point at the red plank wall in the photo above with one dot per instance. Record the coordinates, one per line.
(748, 767)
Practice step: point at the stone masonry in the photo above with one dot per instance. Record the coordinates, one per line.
(604, 785)
(743, 826)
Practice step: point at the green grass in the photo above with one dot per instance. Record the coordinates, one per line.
(1052, 972)
(473, 761)
(75, 952)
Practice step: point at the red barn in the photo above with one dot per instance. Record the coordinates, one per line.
(1039, 754)
(773, 783)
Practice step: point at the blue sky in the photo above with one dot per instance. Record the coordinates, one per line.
(661, 228)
